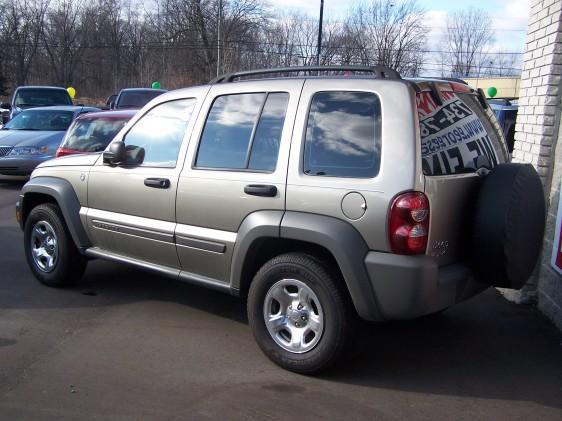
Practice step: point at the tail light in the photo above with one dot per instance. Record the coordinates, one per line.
(65, 151)
(409, 223)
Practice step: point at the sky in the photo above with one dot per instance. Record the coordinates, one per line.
(509, 17)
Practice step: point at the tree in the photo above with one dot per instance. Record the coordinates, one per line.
(62, 38)
(388, 33)
(21, 27)
(503, 63)
(467, 39)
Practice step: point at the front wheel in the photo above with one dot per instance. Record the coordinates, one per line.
(298, 313)
(50, 251)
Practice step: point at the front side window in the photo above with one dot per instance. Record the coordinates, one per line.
(243, 132)
(156, 138)
(343, 135)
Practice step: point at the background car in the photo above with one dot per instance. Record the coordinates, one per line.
(134, 98)
(33, 136)
(110, 102)
(26, 97)
(92, 132)
(506, 113)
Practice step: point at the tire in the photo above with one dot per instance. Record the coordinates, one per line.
(278, 286)
(509, 226)
(49, 249)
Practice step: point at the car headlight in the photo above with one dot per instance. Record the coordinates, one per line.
(29, 150)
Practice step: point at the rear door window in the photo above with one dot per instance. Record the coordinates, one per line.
(243, 132)
(456, 134)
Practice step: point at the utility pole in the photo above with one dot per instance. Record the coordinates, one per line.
(219, 38)
(320, 33)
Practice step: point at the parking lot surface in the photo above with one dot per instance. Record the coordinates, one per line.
(130, 345)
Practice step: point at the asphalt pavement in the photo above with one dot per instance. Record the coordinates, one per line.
(130, 345)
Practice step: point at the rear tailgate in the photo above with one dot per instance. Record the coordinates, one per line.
(458, 135)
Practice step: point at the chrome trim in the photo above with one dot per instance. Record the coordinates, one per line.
(192, 278)
(130, 221)
(138, 232)
(108, 255)
(201, 244)
(163, 270)
(191, 231)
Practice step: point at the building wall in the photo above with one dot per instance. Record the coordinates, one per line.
(536, 138)
(508, 87)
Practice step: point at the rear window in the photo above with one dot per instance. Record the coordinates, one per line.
(343, 135)
(41, 97)
(93, 135)
(455, 134)
(136, 99)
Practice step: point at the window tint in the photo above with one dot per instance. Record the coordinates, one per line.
(268, 133)
(160, 133)
(136, 99)
(243, 132)
(41, 97)
(93, 135)
(48, 120)
(456, 134)
(343, 135)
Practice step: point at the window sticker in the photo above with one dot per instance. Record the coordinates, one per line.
(452, 136)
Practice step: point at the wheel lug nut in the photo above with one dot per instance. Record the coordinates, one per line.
(300, 307)
(297, 324)
(303, 318)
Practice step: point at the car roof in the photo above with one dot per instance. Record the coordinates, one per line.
(72, 108)
(54, 88)
(116, 114)
(142, 90)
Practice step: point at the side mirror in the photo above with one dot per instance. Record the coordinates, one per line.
(6, 105)
(112, 105)
(115, 154)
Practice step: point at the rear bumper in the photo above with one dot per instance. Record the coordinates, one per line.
(411, 286)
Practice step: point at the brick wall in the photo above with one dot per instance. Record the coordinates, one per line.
(537, 134)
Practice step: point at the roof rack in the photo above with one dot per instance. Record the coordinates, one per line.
(381, 72)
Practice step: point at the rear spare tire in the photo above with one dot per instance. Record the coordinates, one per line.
(509, 226)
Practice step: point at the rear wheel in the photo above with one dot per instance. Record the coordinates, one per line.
(298, 314)
(49, 249)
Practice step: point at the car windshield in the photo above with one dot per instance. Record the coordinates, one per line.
(136, 99)
(41, 97)
(49, 120)
(93, 135)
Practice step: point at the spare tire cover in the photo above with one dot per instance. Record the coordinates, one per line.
(509, 226)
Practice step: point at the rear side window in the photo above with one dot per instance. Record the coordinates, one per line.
(343, 135)
(456, 134)
(243, 132)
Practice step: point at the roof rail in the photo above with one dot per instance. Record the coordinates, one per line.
(454, 79)
(381, 72)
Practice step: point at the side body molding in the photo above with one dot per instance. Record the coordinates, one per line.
(65, 196)
(348, 248)
(256, 226)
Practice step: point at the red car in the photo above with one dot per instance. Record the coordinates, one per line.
(92, 132)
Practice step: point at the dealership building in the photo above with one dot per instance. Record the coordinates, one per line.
(537, 141)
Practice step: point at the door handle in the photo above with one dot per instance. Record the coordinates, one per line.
(157, 183)
(262, 190)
